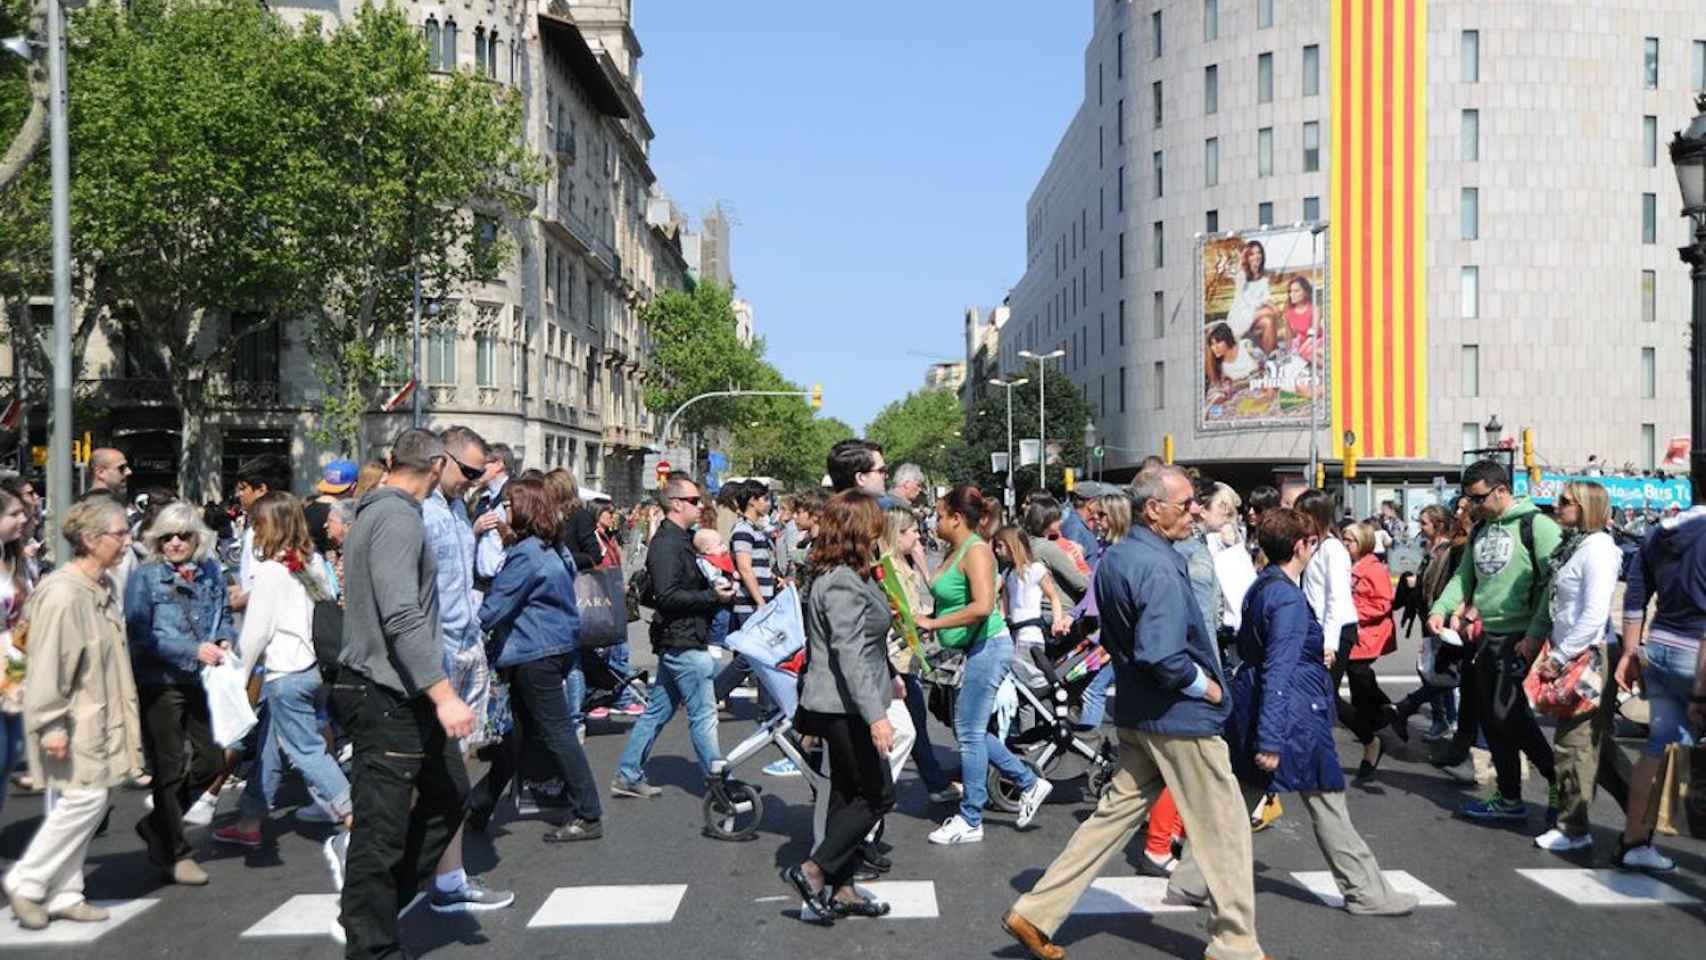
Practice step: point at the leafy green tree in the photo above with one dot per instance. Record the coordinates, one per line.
(986, 433)
(23, 89)
(699, 351)
(920, 428)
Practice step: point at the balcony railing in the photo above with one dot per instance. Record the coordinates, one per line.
(562, 218)
(566, 145)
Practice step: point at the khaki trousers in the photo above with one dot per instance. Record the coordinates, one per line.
(1199, 770)
(51, 869)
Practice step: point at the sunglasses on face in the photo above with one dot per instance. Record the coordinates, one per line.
(183, 535)
(1479, 498)
(468, 473)
(1565, 502)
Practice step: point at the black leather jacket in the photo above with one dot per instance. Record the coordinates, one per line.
(682, 599)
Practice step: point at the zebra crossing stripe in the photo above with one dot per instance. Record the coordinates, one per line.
(1608, 888)
(630, 905)
(1127, 895)
(1321, 884)
(64, 934)
(907, 899)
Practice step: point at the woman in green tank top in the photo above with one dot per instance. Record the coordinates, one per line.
(968, 619)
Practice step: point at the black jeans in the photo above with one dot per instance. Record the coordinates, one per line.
(1366, 711)
(1516, 732)
(1468, 708)
(860, 791)
(409, 787)
(541, 711)
(176, 734)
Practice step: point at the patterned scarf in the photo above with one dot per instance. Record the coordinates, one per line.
(1570, 543)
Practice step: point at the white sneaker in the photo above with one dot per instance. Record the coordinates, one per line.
(1645, 858)
(1032, 800)
(1557, 841)
(200, 813)
(336, 852)
(956, 830)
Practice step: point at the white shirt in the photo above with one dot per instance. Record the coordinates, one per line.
(277, 623)
(1252, 296)
(1235, 573)
(1581, 596)
(246, 562)
(1327, 587)
(1025, 600)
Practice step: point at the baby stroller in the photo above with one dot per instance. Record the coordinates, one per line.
(732, 807)
(1041, 733)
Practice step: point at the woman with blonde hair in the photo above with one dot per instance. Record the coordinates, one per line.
(178, 619)
(900, 535)
(371, 473)
(79, 673)
(1115, 511)
(277, 635)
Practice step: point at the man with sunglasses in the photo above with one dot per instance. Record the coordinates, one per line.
(1503, 577)
(110, 475)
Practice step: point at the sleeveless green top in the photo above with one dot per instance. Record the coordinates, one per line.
(952, 592)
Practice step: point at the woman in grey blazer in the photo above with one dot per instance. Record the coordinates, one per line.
(844, 700)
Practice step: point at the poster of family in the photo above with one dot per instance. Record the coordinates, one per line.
(1264, 349)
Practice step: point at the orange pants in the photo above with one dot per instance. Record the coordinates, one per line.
(1165, 825)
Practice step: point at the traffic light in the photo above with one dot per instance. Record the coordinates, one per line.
(1320, 476)
(1528, 457)
(817, 396)
(1350, 461)
(1166, 448)
(1071, 479)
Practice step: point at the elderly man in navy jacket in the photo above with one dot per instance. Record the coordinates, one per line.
(1170, 711)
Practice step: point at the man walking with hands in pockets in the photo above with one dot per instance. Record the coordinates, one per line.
(409, 782)
(1170, 712)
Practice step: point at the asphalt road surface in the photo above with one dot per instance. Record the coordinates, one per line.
(655, 887)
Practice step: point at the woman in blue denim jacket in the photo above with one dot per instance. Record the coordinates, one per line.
(530, 613)
(177, 620)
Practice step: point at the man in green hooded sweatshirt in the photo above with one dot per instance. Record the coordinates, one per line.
(1503, 578)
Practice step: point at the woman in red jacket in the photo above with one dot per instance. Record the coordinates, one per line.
(1371, 593)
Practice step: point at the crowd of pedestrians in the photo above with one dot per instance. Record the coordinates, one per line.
(448, 607)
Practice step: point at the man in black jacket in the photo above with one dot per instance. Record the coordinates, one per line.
(683, 602)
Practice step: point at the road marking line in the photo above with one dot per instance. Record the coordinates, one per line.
(307, 915)
(907, 899)
(629, 905)
(1608, 888)
(1321, 884)
(1125, 895)
(70, 934)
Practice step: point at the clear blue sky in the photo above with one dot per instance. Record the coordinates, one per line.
(877, 155)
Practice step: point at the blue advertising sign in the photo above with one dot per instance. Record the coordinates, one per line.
(1650, 493)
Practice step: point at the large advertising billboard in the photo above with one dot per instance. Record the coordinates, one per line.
(1263, 307)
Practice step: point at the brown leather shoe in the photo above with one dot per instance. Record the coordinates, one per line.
(1032, 939)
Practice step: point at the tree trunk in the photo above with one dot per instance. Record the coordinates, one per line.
(192, 458)
(34, 130)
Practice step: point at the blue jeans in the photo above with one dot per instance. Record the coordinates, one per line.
(11, 750)
(684, 680)
(1667, 681)
(986, 665)
(292, 732)
(574, 691)
(1095, 701)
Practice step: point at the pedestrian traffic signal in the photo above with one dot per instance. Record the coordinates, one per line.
(1167, 448)
(817, 396)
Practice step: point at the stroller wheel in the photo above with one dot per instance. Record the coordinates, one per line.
(1004, 793)
(1099, 779)
(732, 811)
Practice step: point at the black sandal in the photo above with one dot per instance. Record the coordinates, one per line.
(813, 909)
(862, 907)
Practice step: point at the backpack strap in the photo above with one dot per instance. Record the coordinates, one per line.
(1536, 583)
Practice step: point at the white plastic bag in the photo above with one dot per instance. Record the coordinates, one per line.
(228, 701)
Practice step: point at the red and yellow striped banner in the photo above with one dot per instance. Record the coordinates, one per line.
(1379, 215)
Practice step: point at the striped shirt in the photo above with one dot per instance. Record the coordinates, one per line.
(755, 544)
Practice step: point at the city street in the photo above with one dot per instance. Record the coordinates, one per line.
(655, 887)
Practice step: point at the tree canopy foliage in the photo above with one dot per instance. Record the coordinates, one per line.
(986, 433)
(923, 428)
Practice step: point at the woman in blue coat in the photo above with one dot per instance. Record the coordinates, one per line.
(1280, 730)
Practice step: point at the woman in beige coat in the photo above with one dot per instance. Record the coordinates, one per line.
(80, 714)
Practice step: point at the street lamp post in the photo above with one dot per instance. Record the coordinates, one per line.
(1042, 409)
(1688, 155)
(1009, 385)
(59, 444)
(1089, 444)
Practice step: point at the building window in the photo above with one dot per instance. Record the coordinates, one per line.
(1265, 214)
(480, 49)
(486, 360)
(441, 355)
(1210, 20)
(1155, 46)
(1119, 191)
(1155, 96)
(1649, 373)
(1210, 88)
(1311, 209)
(1311, 71)
(1264, 14)
(1649, 218)
(1471, 56)
(1160, 385)
(256, 360)
(1264, 78)
(1211, 221)
(1311, 147)
(1157, 161)
(1119, 121)
(434, 44)
(1160, 315)
(1265, 152)
(1469, 133)
(1699, 73)
(1649, 296)
(1119, 54)
(1119, 256)
(1100, 85)
(492, 54)
(1160, 248)
(1649, 446)
(449, 58)
(1122, 332)
(1469, 214)
(1649, 141)
(1211, 161)
(1471, 434)
(1101, 147)
(1469, 292)
(1650, 64)
(1122, 389)
(1471, 370)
